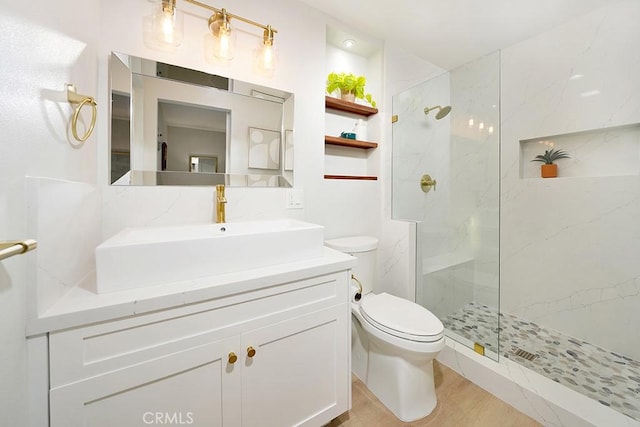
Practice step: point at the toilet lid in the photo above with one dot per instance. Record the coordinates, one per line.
(401, 318)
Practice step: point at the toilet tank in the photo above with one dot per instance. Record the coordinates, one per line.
(364, 249)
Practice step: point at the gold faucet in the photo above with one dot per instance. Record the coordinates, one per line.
(220, 202)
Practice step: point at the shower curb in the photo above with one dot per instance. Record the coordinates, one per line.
(544, 400)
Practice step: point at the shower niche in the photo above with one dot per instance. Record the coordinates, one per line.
(610, 151)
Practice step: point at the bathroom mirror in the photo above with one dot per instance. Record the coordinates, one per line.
(176, 126)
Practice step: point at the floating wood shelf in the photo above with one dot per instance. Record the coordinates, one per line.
(356, 177)
(361, 110)
(345, 142)
(349, 107)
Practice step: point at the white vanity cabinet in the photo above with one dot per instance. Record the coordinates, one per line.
(275, 356)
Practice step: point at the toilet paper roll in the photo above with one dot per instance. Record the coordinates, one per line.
(354, 292)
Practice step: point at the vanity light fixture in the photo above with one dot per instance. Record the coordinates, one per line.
(266, 56)
(167, 24)
(167, 28)
(225, 36)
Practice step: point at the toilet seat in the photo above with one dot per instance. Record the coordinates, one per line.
(401, 318)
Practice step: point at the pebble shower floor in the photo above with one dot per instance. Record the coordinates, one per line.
(610, 378)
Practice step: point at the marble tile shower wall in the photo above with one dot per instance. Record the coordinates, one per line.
(460, 151)
(421, 146)
(475, 171)
(569, 245)
(460, 219)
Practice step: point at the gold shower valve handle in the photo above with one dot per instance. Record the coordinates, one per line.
(426, 182)
(251, 351)
(232, 358)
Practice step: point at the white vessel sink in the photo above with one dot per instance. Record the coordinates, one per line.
(140, 257)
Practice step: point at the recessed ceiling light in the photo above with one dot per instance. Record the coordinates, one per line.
(348, 43)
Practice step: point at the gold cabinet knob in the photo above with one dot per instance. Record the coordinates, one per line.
(232, 358)
(426, 182)
(251, 351)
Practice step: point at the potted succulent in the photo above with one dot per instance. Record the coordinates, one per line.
(548, 168)
(350, 86)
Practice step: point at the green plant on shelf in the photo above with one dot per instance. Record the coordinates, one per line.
(349, 83)
(551, 156)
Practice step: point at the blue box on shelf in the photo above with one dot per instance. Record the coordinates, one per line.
(348, 135)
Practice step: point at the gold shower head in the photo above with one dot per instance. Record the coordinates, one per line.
(441, 114)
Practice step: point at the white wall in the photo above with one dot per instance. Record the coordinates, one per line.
(43, 46)
(569, 245)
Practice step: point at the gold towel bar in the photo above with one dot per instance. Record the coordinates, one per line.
(74, 98)
(16, 247)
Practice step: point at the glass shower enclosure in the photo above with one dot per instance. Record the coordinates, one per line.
(446, 178)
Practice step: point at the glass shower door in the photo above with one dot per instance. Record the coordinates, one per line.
(458, 214)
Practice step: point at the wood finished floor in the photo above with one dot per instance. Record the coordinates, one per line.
(460, 403)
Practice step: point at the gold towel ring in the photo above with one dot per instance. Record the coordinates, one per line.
(81, 100)
(76, 113)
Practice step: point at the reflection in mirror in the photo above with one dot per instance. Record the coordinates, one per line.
(204, 164)
(187, 129)
(120, 120)
(175, 126)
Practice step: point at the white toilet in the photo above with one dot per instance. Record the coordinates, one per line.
(394, 341)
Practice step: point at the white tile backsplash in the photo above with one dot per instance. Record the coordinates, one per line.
(65, 218)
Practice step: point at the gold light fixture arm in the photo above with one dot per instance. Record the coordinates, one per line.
(231, 15)
(168, 6)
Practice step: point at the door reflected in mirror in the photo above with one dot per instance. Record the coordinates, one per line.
(187, 129)
(203, 164)
(169, 124)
